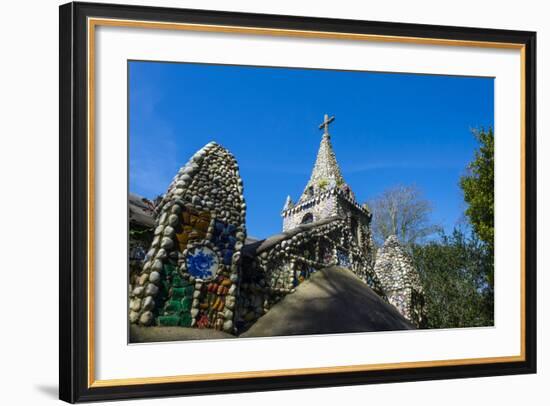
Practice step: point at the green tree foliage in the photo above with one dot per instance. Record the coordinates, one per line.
(454, 276)
(478, 186)
(404, 212)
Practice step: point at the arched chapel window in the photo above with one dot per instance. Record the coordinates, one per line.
(308, 218)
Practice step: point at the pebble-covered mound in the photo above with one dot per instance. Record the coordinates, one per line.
(333, 300)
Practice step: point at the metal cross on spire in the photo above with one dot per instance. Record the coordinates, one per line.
(325, 123)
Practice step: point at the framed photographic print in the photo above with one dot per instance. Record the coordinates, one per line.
(256, 202)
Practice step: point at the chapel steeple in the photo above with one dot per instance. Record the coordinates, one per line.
(326, 173)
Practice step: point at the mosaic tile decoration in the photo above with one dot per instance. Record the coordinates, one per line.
(202, 263)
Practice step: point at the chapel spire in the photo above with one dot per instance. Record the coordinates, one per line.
(326, 173)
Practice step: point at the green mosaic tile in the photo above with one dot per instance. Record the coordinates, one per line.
(178, 282)
(185, 320)
(168, 321)
(169, 268)
(173, 306)
(186, 303)
(179, 293)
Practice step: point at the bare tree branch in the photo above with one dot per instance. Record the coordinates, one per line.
(402, 211)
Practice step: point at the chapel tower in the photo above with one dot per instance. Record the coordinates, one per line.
(327, 195)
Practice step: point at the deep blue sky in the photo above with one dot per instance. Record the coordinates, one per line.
(389, 129)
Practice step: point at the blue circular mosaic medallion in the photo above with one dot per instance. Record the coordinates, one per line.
(202, 262)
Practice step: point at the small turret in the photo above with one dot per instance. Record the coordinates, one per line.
(289, 204)
(400, 280)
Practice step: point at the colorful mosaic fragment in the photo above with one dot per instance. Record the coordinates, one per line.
(176, 311)
(194, 225)
(202, 262)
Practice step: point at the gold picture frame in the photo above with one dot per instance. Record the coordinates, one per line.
(78, 25)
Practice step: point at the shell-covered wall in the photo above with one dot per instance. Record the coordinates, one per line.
(329, 203)
(282, 262)
(322, 206)
(191, 272)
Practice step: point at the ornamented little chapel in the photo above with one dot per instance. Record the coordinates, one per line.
(201, 270)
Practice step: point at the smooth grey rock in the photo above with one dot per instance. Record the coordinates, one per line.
(191, 168)
(161, 254)
(228, 326)
(179, 202)
(198, 157)
(169, 231)
(146, 318)
(135, 304)
(148, 303)
(167, 243)
(151, 289)
(154, 277)
(173, 220)
(230, 300)
(134, 316)
(157, 265)
(143, 279)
